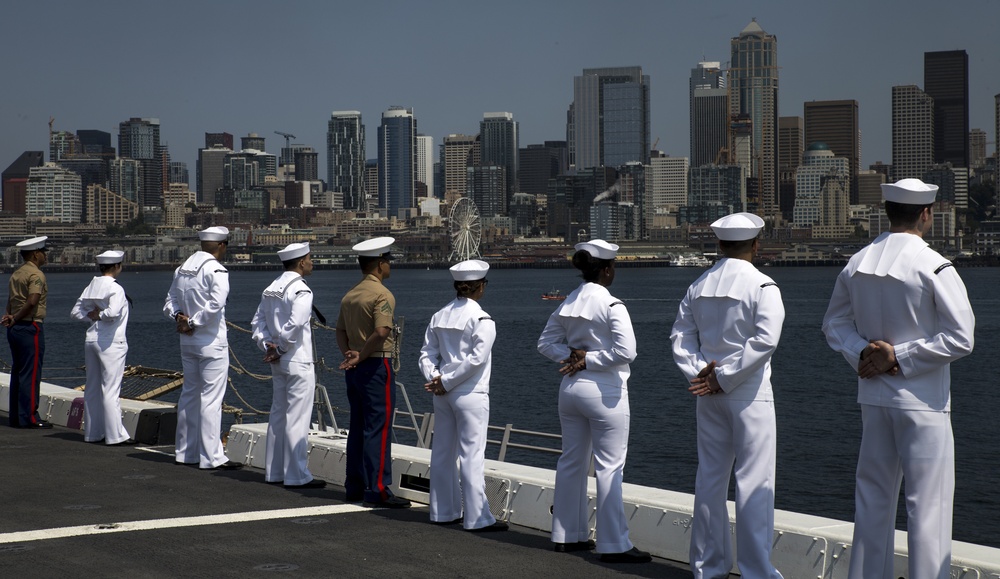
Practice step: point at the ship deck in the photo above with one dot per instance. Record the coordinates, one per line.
(78, 509)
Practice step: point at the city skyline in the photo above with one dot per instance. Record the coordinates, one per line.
(450, 64)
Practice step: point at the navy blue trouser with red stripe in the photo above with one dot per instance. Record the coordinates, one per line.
(27, 348)
(371, 391)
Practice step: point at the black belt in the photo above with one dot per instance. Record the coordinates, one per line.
(27, 322)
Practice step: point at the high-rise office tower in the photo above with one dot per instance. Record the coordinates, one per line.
(912, 132)
(836, 124)
(538, 163)
(486, 186)
(709, 104)
(753, 94)
(126, 178)
(240, 171)
(821, 192)
(96, 144)
(977, 148)
(397, 160)
(870, 187)
(996, 145)
(306, 165)
(179, 172)
(63, 145)
(455, 155)
(252, 141)
(219, 140)
(139, 139)
(370, 199)
(211, 161)
(498, 138)
(666, 183)
(722, 187)
(790, 136)
(55, 193)
(610, 117)
(946, 80)
(345, 157)
(15, 181)
(425, 162)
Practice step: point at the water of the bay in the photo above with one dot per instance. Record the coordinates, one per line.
(819, 425)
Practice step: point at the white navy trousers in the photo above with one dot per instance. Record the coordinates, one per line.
(199, 408)
(287, 449)
(595, 422)
(460, 422)
(740, 433)
(919, 446)
(102, 408)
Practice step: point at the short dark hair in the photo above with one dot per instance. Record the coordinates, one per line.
(904, 214)
(589, 265)
(736, 246)
(290, 264)
(107, 266)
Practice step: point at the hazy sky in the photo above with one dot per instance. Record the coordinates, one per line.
(255, 66)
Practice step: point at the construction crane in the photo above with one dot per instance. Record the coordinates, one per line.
(288, 147)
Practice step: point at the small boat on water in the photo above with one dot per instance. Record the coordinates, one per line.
(553, 294)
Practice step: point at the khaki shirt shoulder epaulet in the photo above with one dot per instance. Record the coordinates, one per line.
(26, 280)
(366, 306)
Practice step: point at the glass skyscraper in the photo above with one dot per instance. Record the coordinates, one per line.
(753, 95)
(709, 104)
(397, 160)
(139, 139)
(498, 148)
(610, 117)
(946, 80)
(345, 157)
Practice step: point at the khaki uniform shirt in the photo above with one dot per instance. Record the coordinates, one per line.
(367, 306)
(27, 280)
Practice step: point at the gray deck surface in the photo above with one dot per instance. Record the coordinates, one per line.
(51, 479)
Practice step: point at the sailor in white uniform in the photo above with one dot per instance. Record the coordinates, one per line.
(196, 301)
(104, 306)
(591, 335)
(900, 315)
(456, 360)
(726, 330)
(282, 330)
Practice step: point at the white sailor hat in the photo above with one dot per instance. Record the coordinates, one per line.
(377, 247)
(738, 227)
(110, 257)
(910, 192)
(598, 248)
(217, 233)
(469, 270)
(293, 250)
(33, 244)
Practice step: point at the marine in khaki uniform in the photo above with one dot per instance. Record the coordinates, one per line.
(23, 320)
(364, 336)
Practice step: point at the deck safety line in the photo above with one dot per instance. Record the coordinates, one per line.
(245, 517)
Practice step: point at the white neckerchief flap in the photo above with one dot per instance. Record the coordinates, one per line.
(456, 315)
(582, 303)
(892, 255)
(727, 279)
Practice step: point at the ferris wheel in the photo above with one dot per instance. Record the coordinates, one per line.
(466, 230)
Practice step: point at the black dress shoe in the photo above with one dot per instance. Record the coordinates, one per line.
(128, 442)
(497, 526)
(355, 498)
(390, 503)
(41, 424)
(633, 555)
(313, 484)
(457, 521)
(571, 547)
(228, 465)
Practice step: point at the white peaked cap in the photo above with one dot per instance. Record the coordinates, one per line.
(469, 270)
(33, 243)
(217, 233)
(598, 248)
(293, 250)
(738, 227)
(109, 257)
(374, 247)
(910, 192)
